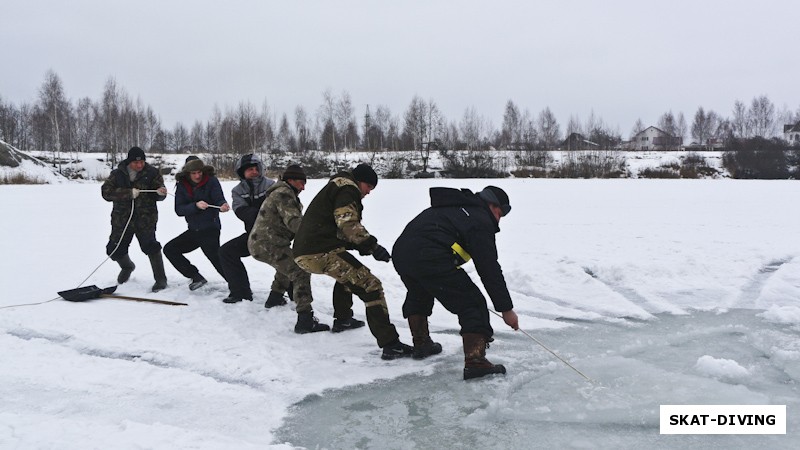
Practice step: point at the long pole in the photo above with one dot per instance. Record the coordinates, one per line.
(545, 347)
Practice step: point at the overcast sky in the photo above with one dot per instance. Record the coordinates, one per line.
(623, 59)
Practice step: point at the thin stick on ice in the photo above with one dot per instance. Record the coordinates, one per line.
(545, 347)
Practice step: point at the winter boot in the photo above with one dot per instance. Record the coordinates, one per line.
(340, 325)
(198, 281)
(127, 267)
(157, 262)
(234, 299)
(423, 344)
(307, 323)
(396, 350)
(275, 299)
(475, 363)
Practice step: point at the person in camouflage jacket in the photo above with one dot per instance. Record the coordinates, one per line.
(270, 242)
(135, 214)
(331, 226)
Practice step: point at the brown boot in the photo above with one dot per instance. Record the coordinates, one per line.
(423, 344)
(475, 363)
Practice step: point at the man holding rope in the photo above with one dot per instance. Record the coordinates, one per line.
(135, 186)
(428, 255)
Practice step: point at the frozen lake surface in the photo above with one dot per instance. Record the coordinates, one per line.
(664, 292)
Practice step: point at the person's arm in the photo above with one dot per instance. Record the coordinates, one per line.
(112, 193)
(184, 206)
(158, 184)
(346, 214)
(481, 246)
(289, 209)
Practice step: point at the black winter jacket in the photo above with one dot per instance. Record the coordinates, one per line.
(117, 189)
(425, 248)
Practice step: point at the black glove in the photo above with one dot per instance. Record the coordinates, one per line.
(381, 254)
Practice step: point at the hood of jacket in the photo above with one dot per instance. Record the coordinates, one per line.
(249, 160)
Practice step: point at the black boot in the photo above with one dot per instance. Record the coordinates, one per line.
(340, 325)
(423, 344)
(397, 350)
(157, 262)
(307, 323)
(198, 281)
(127, 267)
(475, 363)
(275, 299)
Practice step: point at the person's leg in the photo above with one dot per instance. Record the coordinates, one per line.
(417, 308)
(347, 270)
(152, 248)
(230, 255)
(174, 250)
(209, 244)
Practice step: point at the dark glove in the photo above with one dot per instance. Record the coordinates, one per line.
(381, 254)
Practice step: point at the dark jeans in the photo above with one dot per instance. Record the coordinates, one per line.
(230, 255)
(456, 292)
(206, 240)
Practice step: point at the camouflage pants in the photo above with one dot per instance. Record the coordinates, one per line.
(286, 271)
(356, 277)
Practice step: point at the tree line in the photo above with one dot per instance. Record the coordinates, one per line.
(116, 121)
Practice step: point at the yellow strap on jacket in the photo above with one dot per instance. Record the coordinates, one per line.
(461, 253)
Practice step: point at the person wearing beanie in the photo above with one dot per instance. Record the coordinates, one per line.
(198, 199)
(331, 226)
(458, 227)
(247, 197)
(270, 242)
(134, 187)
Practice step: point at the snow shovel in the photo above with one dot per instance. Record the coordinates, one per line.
(84, 293)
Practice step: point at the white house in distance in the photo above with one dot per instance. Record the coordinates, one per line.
(792, 133)
(652, 138)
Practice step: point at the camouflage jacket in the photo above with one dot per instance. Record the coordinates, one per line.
(333, 220)
(279, 217)
(117, 189)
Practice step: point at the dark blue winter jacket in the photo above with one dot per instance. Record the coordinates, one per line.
(187, 194)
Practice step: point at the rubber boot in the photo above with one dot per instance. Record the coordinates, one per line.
(127, 267)
(423, 344)
(157, 262)
(307, 323)
(475, 363)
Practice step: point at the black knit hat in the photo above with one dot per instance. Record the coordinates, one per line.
(135, 154)
(193, 164)
(294, 172)
(496, 196)
(365, 174)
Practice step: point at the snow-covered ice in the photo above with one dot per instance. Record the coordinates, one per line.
(663, 291)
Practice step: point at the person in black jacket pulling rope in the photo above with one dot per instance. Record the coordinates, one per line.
(123, 188)
(428, 255)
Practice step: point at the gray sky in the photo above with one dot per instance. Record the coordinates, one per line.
(623, 59)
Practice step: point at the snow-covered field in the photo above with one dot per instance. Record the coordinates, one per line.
(664, 292)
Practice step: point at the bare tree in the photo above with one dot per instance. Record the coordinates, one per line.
(511, 130)
(54, 104)
(704, 126)
(740, 123)
(472, 128)
(548, 129)
(762, 117)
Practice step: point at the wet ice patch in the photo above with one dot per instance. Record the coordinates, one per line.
(724, 369)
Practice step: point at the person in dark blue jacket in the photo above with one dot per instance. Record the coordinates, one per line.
(199, 199)
(428, 255)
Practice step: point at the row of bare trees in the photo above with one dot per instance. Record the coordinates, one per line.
(116, 121)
